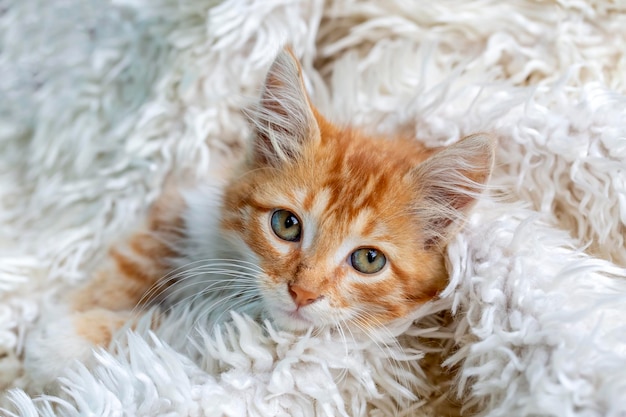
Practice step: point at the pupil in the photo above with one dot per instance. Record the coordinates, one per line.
(371, 256)
(290, 221)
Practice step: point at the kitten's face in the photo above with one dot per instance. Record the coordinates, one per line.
(335, 235)
(347, 229)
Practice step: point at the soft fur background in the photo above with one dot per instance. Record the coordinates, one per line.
(99, 100)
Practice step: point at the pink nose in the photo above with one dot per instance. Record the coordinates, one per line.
(303, 297)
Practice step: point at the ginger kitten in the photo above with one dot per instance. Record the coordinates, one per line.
(321, 226)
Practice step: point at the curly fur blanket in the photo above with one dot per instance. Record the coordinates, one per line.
(100, 100)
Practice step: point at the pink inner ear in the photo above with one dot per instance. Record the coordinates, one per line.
(270, 100)
(450, 183)
(459, 204)
(277, 124)
(284, 119)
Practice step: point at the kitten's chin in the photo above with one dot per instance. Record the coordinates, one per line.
(290, 321)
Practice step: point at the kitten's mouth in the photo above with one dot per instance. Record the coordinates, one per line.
(292, 319)
(296, 315)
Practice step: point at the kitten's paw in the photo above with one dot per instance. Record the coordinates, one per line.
(51, 349)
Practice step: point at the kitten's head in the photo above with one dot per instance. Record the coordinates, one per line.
(347, 228)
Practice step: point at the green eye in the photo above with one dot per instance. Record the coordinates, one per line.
(367, 260)
(286, 225)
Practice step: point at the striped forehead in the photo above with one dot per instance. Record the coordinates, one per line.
(336, 220)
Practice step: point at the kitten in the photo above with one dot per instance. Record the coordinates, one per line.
(321, 226)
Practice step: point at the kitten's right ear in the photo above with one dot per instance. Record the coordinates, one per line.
(449, 184)
(284, 120)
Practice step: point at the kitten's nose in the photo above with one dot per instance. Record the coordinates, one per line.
(301, 296)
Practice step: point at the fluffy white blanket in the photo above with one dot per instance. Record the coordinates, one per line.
(99, 100)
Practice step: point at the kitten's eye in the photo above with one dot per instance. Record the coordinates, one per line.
(368, 260)
(286, 225)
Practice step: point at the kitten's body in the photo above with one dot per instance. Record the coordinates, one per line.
(362, 224)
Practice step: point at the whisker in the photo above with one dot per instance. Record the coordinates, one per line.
(208, 286)
(148, 295)
(214, 270)
(249, 299)
(245, 298)
(205, 311)
(344, 371)
(160, 284)
(239, 263)
(205, 267)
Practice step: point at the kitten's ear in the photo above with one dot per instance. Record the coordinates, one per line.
(449, 184)
(284, 119)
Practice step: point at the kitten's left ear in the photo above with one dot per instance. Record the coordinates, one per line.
(448, 185)
(284, 120)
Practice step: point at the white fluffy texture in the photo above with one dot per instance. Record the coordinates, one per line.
(100, 99)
